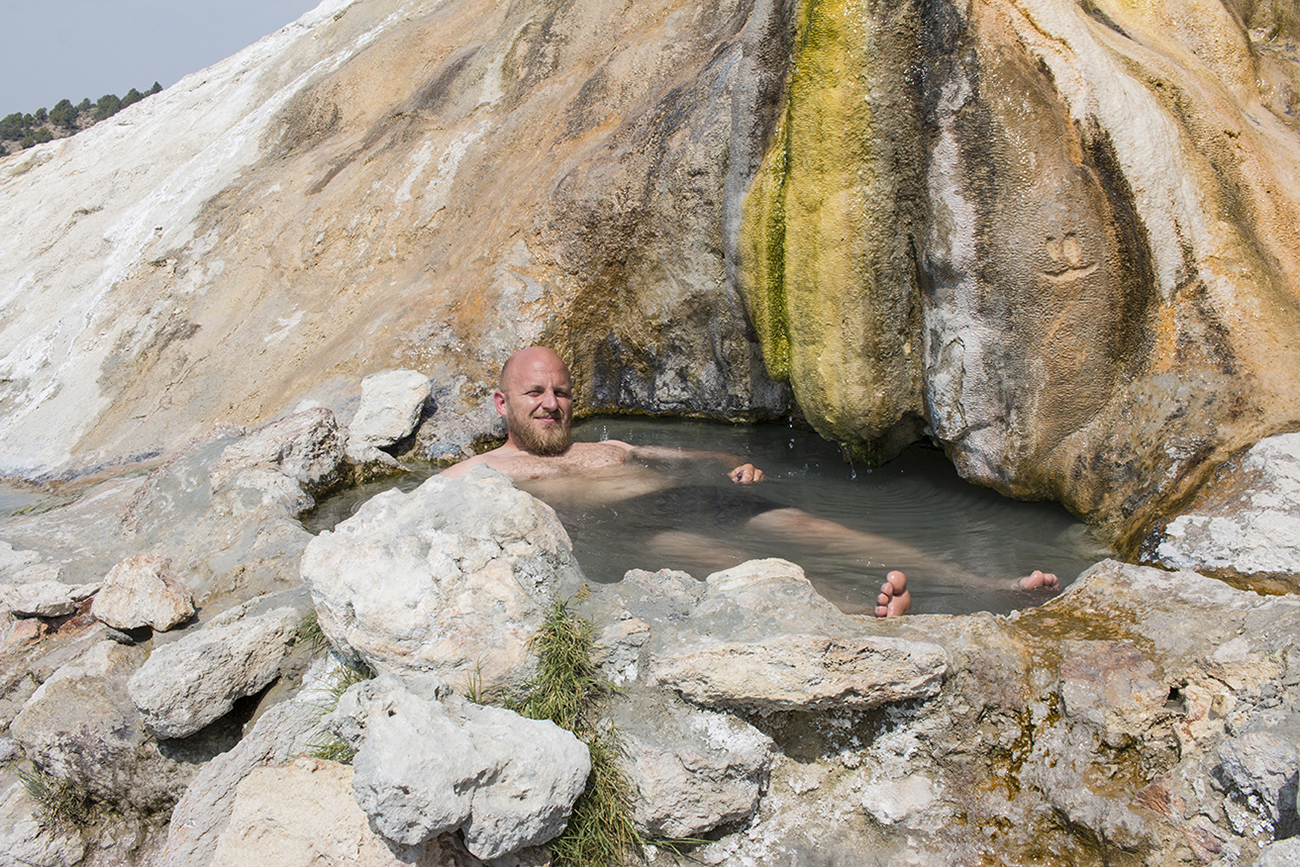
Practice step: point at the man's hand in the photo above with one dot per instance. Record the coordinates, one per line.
(746, 474)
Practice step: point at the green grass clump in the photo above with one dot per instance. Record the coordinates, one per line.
(334, 748)
(59, 803)
(566, 691)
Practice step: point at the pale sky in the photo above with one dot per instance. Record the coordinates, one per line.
(74, 49)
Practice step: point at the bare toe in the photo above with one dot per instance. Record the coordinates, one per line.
(1039, 580)
(894, 598)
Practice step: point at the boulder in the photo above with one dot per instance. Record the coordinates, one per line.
(1244, 523)
(81, 726)
(284, 731)
(429, 762)
(43, 598)
(195, 680)
(802, 672)
(143, 591)
(306, 446)
(760, 637)
(693, 771)
(391, 404)
(452, 578)
(304, 813)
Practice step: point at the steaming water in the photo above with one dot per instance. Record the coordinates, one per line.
(961, 546)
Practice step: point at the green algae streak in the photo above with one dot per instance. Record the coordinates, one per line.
(827, 267)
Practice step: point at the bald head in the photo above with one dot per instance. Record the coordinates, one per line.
(525, 359)
(536, 398)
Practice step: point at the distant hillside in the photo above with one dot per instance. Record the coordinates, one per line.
(19, 131)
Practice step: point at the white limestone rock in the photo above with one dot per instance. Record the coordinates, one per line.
(12, 562)
(429, 762)
(304, 813)
(802, 672)
(762, 639)
(196, 679)
(143, 591)
(1246, 520)
(390, 408)
(453, 578)
(286, 730)
(44, 598)
(306, 446)
(693, 771)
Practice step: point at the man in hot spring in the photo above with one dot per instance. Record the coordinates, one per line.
(535, 396)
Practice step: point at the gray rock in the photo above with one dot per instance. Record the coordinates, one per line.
(12, 561)
(1245, 521)
(429, 762)
(1262, 769)
(81, 726)
(803, 672)
(304, 813)
(1280, 853)
(693, 770)
(761, 638)
(143, 591)
(390, 408)
(284, 731)
(306, 446)
(196, 679)
(44, 598)
(27, 842)
(453, 578)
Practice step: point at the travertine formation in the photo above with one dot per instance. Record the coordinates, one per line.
(1057, 237)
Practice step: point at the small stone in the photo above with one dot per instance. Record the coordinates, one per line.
(143, 591)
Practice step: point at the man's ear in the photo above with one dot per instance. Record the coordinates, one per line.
(499, 398)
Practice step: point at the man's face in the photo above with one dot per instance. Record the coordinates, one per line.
(537, 401)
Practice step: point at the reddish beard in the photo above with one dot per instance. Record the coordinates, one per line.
(547, 440)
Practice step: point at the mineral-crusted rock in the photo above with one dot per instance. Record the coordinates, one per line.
(81, 726)
(1245, 522)
(44, 598)
(26, 841)
(1110, 685)
(196, 679)
(304, 813)
(803, 672)
(429, 762)
(453, 578)
(891, 801)
(390, 408)
(1261, 768)
(306, 446)
(284, 731)
(143, 591)
(12, 561)
(1281, 853)
(761, 638)
(694, 771)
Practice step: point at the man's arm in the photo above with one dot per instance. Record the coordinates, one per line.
(738, 469)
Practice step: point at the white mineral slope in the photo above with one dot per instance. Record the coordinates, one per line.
(81, 215)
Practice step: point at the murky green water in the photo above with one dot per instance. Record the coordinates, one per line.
(961, 546)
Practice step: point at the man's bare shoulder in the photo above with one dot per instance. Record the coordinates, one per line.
(518, 464)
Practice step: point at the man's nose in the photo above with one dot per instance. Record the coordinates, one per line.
(550, 401)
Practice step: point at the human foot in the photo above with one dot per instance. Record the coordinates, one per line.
(894, 598)
(1039, 580)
